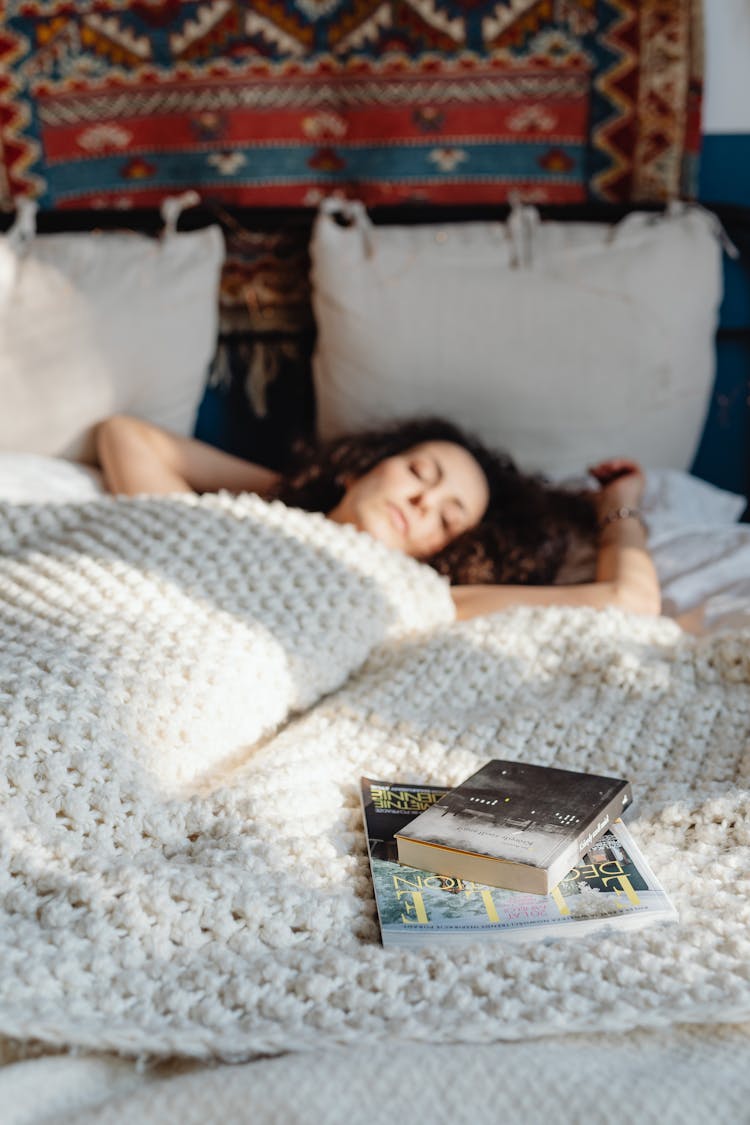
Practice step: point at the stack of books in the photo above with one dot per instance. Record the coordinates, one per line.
(516, 851)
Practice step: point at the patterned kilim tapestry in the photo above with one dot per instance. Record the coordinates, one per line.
(280, 101)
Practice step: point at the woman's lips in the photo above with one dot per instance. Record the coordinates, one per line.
(397, 518)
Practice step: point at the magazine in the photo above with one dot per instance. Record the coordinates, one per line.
(612, 886)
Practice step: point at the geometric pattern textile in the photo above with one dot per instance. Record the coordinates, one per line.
(391, 101)
(258, 401)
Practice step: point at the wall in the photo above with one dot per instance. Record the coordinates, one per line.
(725, 155)
(726, 107)
(725, 179)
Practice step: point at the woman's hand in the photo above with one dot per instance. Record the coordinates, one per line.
(623, 559)
(621, 484)
(625, 574)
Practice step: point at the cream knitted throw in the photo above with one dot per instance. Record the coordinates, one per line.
(175, 879)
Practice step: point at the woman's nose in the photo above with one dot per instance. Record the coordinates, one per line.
(423, 499)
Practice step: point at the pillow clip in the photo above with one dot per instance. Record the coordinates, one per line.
(522, 224)
(173, 206)
(23, 231)
(677, 207)
(350, 213)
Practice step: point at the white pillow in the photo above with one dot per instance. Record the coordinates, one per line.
(28, 478)
(674, 500)
(96, 323)
(563, 343)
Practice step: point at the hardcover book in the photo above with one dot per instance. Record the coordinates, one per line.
(513, 825)
(611, 887)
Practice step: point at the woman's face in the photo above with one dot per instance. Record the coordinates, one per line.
(419, 500)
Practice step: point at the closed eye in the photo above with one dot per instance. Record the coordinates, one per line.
(426, 470)
(452, 518)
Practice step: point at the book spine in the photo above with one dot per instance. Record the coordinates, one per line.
(577, 848)
(611, 811)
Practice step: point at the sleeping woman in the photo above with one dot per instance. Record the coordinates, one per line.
(424, 487)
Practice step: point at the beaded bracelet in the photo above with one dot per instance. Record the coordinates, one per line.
(623, 513)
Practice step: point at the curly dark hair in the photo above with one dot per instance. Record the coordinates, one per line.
(528, 531)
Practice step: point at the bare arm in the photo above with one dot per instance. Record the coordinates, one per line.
(137, 457)
(625, 574)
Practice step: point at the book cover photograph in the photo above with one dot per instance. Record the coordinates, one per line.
(611, 887)
(514, 825)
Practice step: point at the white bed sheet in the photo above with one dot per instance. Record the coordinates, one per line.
(684, 1075)
(701, 553)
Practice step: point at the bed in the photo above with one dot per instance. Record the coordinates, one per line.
(186, 883)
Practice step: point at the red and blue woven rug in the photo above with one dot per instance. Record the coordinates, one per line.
(277, 102)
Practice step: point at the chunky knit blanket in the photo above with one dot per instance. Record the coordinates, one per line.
(190, 691)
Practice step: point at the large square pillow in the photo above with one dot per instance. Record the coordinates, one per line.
(97, 323)
(560, 342)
